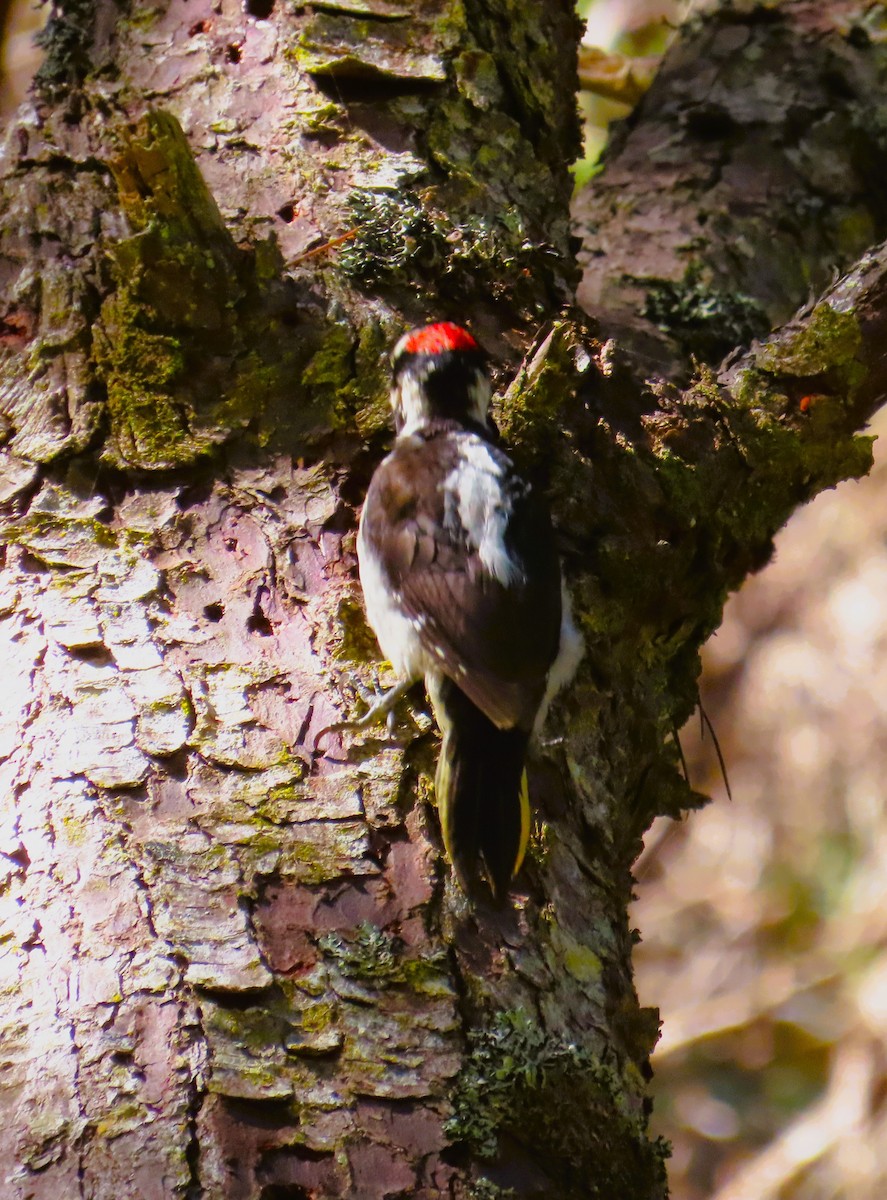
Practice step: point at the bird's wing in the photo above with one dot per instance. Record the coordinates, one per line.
(469, 553)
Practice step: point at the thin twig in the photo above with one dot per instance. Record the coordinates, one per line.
(714, 737)
(333, 242)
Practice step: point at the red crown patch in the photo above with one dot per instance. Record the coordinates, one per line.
(436, 339)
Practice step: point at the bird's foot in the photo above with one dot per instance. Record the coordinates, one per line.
(382, 705)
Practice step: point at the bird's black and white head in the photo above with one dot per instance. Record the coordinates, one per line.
(439, 372)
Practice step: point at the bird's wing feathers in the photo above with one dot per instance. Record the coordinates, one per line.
(470, 555)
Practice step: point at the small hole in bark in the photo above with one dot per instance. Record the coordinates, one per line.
(284, 1191)
(198, 27)
(287, 213)
(710, 124)
(260, 9)
(214, 612)
(233, 53)
(258, 1114)
(258, 623)
(98, 656)
(242, 1002)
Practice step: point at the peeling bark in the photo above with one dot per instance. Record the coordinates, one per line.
(234, 967)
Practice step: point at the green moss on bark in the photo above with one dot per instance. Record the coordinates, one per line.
(514, 1081)
(185, 345)
(66, 40)
(702, 318)
(377, 958)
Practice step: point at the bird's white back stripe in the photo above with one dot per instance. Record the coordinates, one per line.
(476, 483)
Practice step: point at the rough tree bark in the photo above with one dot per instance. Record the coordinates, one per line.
(233, 968)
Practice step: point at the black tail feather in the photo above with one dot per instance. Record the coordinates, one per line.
(481, 793)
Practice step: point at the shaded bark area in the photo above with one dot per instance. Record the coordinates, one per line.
(243, 966)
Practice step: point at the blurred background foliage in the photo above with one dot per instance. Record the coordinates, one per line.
(764, 920)
(20, 22)
(623, 42)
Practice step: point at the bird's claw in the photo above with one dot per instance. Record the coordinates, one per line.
(382, 704)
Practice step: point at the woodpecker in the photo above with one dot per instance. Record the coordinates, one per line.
(462, 586)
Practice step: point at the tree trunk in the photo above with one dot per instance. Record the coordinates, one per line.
(235, 967)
